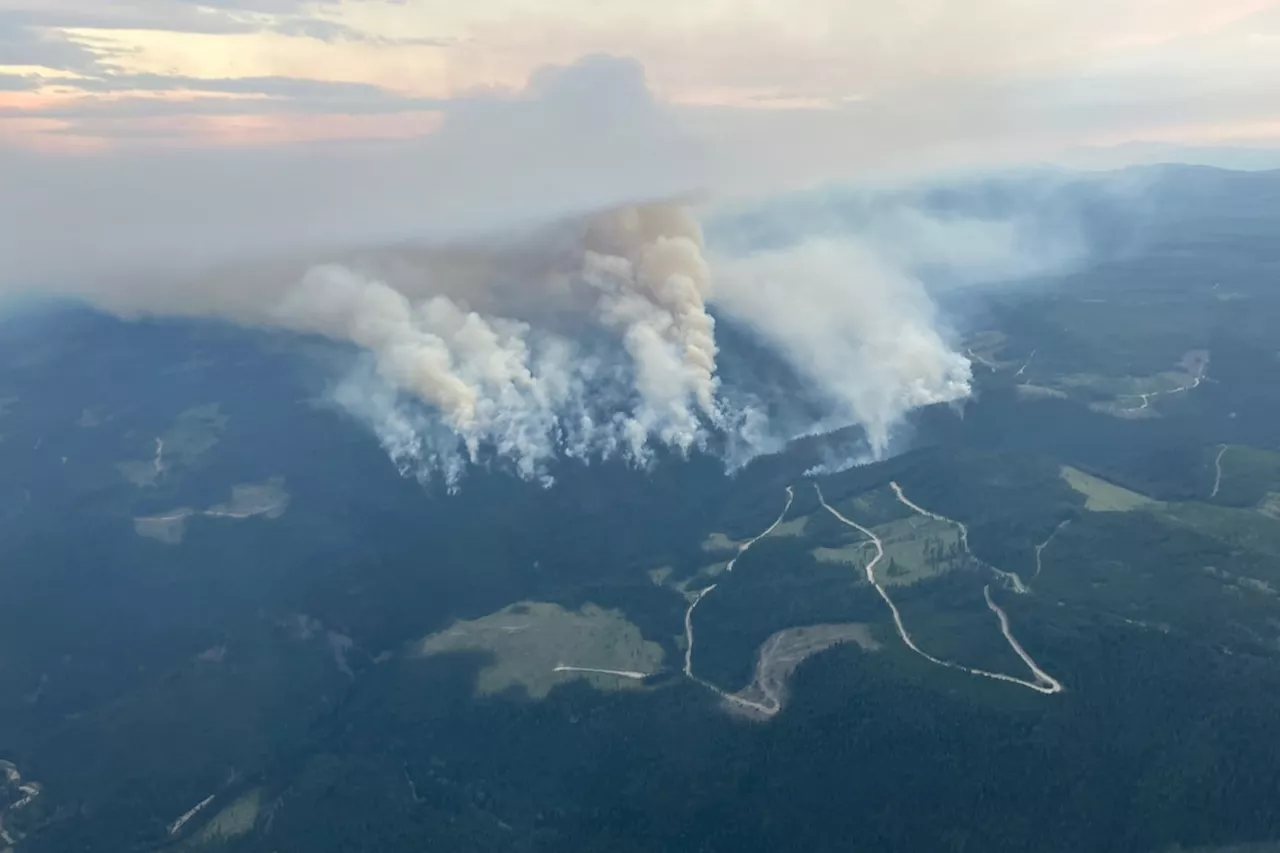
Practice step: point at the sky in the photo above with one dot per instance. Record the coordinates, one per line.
(87, 75)
(134, 125)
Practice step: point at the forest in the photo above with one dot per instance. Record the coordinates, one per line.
(263, 667)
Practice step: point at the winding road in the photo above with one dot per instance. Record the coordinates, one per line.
(1217, 466)
(1195, 383)
(1040, 548)
(159, 460)
(772, 702)
(1025, 365)
(184, 514)
(1048, 684)
(1012, 577)
(1044, 683)
(176, 826)
(975, 357)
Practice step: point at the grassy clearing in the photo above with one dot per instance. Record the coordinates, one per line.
(703, 576)
(529, 639)
(918, 548)
(659, 576)
(1111, 386)
(717, 542)
(874, 508)
(1136, 396)
(855, 554)
(141, 472)
(1132, 387)
(248, 500)
(711, 570)
(195, 432)
(794, 527)
(915, 549)
(985, 347)
(1249, 474)
(1124, 409)
(1101, 496)
(235, 821)
(1040, 392)
(169, 528)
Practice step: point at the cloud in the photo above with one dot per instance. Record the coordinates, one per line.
(496, 160)
(157, 15)
(780, 93)
(22, 44)
(135, 96)
(291, 19)
(18, 83)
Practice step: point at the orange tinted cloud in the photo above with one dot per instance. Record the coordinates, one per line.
(764, 55)
(225, 131)
(51, 136)
(285, 128)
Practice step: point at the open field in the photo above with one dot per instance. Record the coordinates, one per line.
(236, 820)
(659, 575)
(783, 652)
(794, 527)
(716, 542)
(143, 473)
(703, 576)
(1131, 396)
(194, 433)
(984, 348)
(169, 527)
(248, 500)
(915, 549)
(1101, 496)
(530, 639)
(1243, 474)
(1040, 392)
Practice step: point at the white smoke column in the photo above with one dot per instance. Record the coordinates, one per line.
(339, 302)
(860, 330)
(647, 261)
(522, 392)
(473, 370)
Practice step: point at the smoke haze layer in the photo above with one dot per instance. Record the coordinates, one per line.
(597, 339)
(596, 336)
(593, 337)
(862, 332)
(584, 335)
